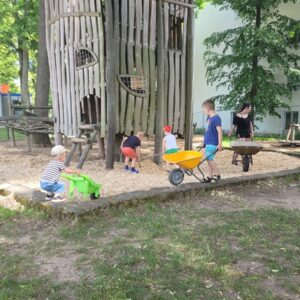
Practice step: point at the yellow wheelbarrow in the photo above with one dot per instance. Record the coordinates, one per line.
(187, 161)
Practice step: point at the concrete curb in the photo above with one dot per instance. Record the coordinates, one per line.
(33, 198)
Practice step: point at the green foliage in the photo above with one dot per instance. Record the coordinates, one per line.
(18, 30)
(252, 57)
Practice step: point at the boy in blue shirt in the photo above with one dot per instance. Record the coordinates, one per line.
(212, 139)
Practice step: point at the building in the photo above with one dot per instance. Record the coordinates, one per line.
(211, 20)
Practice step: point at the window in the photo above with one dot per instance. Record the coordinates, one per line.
(291, 117)
(84, 58)
(135, 85)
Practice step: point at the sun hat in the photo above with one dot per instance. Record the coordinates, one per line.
(168, 128)
(57, 150)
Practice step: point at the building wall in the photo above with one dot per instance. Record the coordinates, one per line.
(211, 20)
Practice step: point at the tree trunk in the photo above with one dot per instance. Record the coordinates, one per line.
(188, 143)
(43, 77)
(160, 84)
(255, 59)
(110, 86)
(24, 77)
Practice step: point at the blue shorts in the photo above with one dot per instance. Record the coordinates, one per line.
(53, 187)
(210, 152)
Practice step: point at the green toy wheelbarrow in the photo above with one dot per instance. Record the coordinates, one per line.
(84, 185)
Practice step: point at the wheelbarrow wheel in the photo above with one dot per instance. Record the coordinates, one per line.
(93, 196)
(176, 176)
(246, 163)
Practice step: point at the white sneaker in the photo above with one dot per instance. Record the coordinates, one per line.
(58, 198)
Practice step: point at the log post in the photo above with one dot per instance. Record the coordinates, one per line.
(110, 85)
(189, 79)
(160, 84)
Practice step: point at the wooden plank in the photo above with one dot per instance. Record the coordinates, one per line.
(166, 32)
(117, 47)
(130, 64)
(58, 70)
(152, 60)
(192, 6)
(73, 99)
(160, 84)
(123, 94)
(52, 64)
(89, 43)
(64, 105)
(183, 77)
(138, 62)
(68, 57)
(146, 66)
(72, 14)
(83, 72)
(96, 68)
(171, 87)
(78, 82)
(102, 70)
(177, 92)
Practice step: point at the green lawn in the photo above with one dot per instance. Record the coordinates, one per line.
(4, 136)
(174, 250)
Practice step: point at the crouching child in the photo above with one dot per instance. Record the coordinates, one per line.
(50, 177)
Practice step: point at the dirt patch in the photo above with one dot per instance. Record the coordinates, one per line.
(250, 267)
(18, 167)
(274, 287)
(61, 267)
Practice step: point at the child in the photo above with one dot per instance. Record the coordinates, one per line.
(212, 139)
(131, 148)
(49, 181)
(169, 143)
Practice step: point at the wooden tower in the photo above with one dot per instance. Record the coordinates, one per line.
(150, 40)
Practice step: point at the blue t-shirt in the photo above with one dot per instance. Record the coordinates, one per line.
(211, 133)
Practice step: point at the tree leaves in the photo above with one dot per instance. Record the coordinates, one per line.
(252, 60)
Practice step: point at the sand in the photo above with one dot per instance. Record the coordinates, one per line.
(20, 168)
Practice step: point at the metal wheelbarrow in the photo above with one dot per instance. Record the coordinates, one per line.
(246, 149)
(187, 161)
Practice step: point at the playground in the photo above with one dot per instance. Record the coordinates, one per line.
(19, 167)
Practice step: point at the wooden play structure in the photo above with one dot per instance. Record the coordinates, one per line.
(108, 57)
(291, 136)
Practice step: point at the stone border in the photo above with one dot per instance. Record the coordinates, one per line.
(36, 199)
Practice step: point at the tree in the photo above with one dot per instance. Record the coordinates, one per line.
(43, 75)
(252, 57)
(18, 33)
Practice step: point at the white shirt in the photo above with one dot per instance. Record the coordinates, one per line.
(170, 141)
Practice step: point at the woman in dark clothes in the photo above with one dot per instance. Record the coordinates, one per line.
(243, 125)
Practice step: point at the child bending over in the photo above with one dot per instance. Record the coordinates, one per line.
(131, 148)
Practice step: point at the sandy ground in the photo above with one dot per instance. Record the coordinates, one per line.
(18, 167)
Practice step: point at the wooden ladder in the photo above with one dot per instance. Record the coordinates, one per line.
(91, 130)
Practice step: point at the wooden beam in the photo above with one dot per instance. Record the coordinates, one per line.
(189, 79)
(181, 3)
(160, 84)
(110, 86)
(74, 14)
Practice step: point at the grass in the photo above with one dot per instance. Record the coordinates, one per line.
(4, 136)
(170, 250)
(271, 138)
